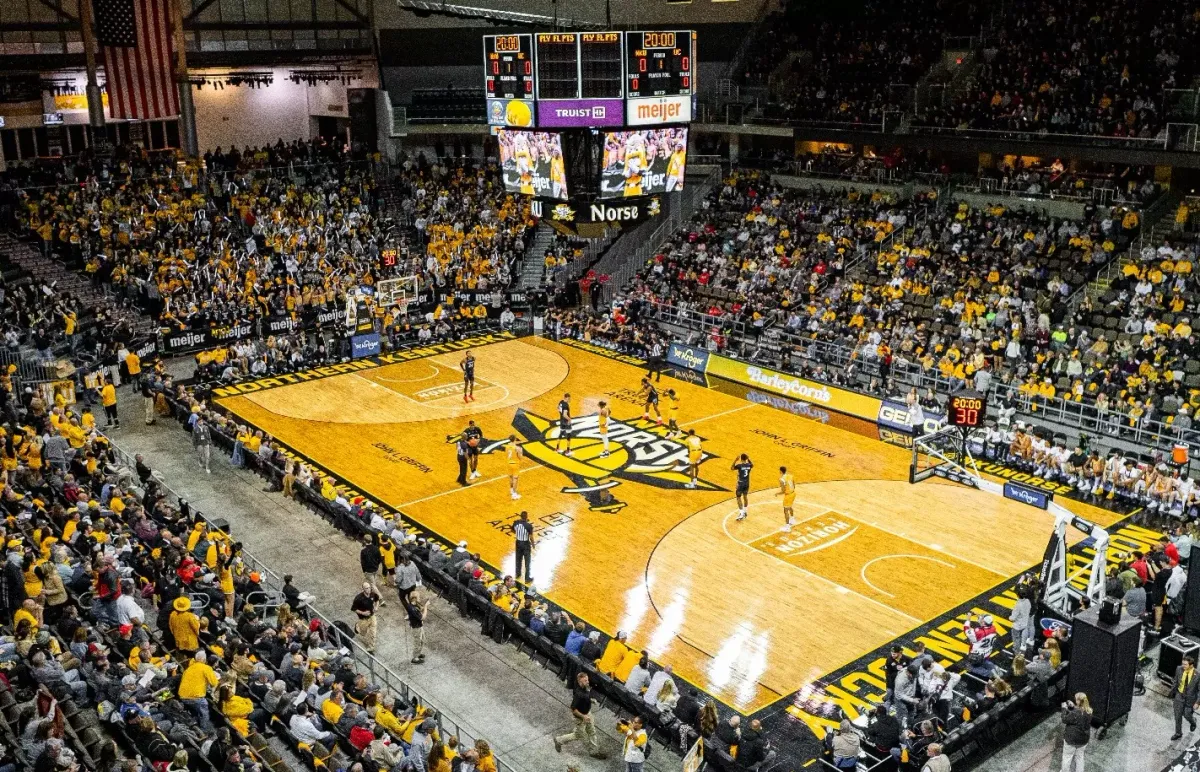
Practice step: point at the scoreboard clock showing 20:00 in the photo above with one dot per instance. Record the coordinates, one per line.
(967, 410)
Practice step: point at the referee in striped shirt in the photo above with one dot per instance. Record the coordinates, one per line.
(523, 532)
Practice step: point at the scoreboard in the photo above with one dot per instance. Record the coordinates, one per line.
(590, 79)
(659, 63)
(558, 65)
(600, 65)
(509, 66)
(509, 79)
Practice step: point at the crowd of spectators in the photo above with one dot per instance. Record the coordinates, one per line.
(127, 605)
(1078, 68)
(862, 64)
(279, 232)
(1063, 67)
(964, 295)
(1130, 185)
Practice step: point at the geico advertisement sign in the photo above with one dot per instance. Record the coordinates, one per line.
(895, 415)
(655, 110)
(766, 379)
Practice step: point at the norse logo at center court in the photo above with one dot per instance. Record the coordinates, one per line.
(639, 451)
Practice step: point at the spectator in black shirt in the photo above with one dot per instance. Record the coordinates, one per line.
(143, 471)
(581, 713)
(590, 650)
(729, 731)
(290, 593)
(370, 560)
(363, 606)
(558, 628)
(883, 731)
(895, 662)
(687, 710)
(754, 748)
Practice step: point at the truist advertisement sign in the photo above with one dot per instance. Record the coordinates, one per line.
(581, 113)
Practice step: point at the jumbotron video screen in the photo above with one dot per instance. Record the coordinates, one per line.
(532, 163)
(643, 162)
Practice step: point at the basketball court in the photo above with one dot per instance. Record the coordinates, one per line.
(743, 610)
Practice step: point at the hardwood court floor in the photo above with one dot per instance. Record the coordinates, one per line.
(742, 610)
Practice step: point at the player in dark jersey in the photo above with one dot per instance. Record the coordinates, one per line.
(467, 365)
(564, 424)
(742, 466)
(474, 436)
(649, 396)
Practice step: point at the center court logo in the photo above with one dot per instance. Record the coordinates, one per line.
(639, 452)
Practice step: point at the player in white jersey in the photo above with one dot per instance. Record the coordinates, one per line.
(1112, 474)
(1184, 496)
(1037, 455)
(1127, 479)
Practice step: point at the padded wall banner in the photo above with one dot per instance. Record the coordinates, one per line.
(766, 379)
(690, 357)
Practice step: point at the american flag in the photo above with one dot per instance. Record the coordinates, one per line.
(135, 36)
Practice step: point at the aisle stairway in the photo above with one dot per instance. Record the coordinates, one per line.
(533, 261)
(47, 270)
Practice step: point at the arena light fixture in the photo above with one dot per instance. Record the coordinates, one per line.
(326, 75)
(426, 8)
(218, 81)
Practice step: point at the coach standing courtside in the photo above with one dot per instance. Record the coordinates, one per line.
(523, 533)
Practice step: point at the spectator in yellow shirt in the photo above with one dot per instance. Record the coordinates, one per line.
(108, 398)
(197, 679)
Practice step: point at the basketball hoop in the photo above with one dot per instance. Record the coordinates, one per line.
(398, 293)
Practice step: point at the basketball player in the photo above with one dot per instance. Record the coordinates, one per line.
(467, 365)
(513, 453)
(672, 414)
(787, 489)
(695, 452)
(649, 396)
(742, 466)
(602, 425)
(473, 435)
(564, 424)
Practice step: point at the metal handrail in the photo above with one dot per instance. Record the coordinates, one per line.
(380, 674)
(918, 217)
(1038, 135)
(1010, 189)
